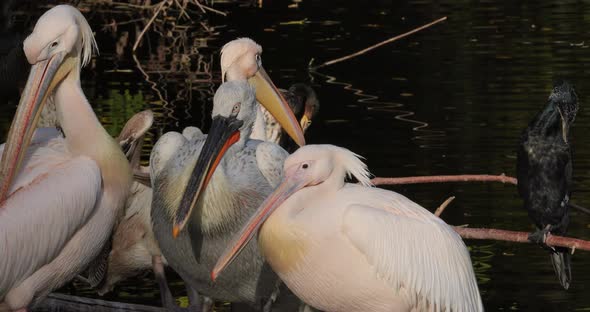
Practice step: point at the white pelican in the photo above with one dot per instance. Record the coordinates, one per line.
(214, 203)
(60, 196)
(349, 247)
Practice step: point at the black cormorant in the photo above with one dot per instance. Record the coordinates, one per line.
(544, 170)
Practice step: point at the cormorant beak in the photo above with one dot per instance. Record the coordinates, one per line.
(223, 134)
(269, 96)
(306, 119)
(43, 78)
(293, 181)
(564, 124)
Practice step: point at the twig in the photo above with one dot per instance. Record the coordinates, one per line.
(445, 178)
(160, 7)
(578, 207)
(136, 6)
(520, 237)
(111, 24)
(182, 10)
(204, 7)
(363, 51)
(444, 205)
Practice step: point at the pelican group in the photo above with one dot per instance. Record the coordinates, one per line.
(134, 247)
(60, 196)
(63, 193)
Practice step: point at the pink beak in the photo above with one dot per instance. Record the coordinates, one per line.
(291, 183)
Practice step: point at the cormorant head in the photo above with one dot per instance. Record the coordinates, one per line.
(566, 101)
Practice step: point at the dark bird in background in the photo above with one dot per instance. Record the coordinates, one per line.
(544, 170)
(305, 105)
(14, 67)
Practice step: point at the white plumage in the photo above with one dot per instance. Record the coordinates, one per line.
(59, 196)
(351, 247)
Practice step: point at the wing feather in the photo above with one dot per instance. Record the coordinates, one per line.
(423, 255)
(270, 158)
(39, 217)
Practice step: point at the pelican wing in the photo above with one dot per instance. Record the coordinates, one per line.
(270, 158)
(52, 197)
(165, 149)
(195, 133)
(425, 258)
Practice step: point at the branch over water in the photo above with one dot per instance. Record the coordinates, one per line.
(363, 51)
(445, 178)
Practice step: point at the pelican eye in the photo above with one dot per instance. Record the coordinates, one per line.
(236, 109)
(305, 166)
(258, 60)
(54, 44)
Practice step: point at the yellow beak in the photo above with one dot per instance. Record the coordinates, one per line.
(43, 78)
(269, 96)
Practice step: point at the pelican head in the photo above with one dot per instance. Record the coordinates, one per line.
(241, 60)
(309, 166)
(234, 111)
(60, 44)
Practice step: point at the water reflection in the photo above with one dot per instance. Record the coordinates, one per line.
(451, 99)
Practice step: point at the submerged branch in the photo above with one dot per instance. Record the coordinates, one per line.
(445, 178)
(363, 51)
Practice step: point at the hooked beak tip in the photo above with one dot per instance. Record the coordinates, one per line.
(175, 231)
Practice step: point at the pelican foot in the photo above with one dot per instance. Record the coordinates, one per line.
(207, 305)
(168, 301)
(196, 304)
(273, 297)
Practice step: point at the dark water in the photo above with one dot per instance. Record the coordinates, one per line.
(452, 99)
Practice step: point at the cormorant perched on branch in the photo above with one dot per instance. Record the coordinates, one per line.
(544, 169)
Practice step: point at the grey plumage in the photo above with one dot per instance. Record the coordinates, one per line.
(237, 188)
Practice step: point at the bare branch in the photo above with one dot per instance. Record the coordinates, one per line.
(520, 237)
(363, 51)
(444, 205)
(445, 178)
(138, 40)
(204, 7)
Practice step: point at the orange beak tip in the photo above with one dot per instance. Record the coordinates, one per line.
(175, 231)
(213, 276)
